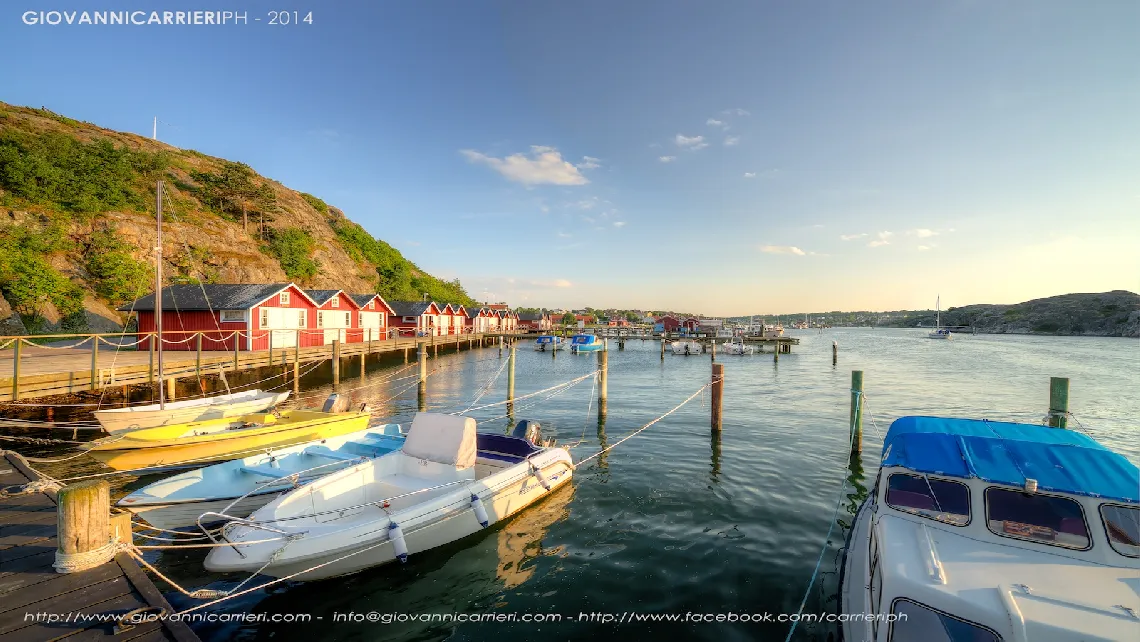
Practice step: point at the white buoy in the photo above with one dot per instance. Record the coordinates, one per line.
(541, 480)
(396, 536)
(480, 511)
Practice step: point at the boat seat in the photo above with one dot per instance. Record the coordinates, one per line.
(368, 450)
(504, 457)
(329, 454)
(265, 471)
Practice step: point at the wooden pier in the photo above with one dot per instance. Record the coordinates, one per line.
(28, 372)
(32, 592)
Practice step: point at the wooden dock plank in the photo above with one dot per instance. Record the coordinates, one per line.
(29, 583)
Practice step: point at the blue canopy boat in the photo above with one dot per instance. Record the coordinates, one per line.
(586, 343)
(994, 532)
(548, 342)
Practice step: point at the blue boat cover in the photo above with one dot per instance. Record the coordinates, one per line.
(584, 338)
(1060, 460)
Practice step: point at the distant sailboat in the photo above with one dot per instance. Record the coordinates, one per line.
(939, 331)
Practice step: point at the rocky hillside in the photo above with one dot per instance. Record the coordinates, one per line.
(77, 224)
(1110, 314)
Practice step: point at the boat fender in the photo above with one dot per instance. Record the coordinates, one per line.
(399, 546)
(480, 511)
(538, 475)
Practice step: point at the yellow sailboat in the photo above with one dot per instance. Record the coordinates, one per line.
(221, 439)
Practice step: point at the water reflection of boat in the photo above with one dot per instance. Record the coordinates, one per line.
(520, 541)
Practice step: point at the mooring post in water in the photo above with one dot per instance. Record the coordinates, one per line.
(834, 352)
(83, 524)
(434, 347)
(500, 346)
(776, 352)
(170, 384)
(603, 379)
(336, 363)
(237, 346)
(717, 395)
(150, 365)
(421, 389)
(94, 361)
(856, 422)
(663, 335)
(198, 356)
(297, 367)
(511, 374)
(362, 356)
(16, 369)
(1059, 402)
(271, 333)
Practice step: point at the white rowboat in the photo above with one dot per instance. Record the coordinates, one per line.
(120, 420)
(241, 486)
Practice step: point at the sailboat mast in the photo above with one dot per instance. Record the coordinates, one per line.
(158, 295)
(938, 312)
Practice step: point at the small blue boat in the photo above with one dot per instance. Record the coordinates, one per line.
(548, 342)
(586, 343)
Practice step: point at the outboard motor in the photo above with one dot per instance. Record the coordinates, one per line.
(528, 430)
(335, 403)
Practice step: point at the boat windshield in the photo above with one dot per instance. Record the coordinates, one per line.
(1048, 519)
(1122, 523)
(937, 499)
(919, 623)
(583, 338)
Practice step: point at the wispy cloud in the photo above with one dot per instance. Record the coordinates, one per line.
(712, 122)
(851, 237)
(564, 235)
(736, 111)
(544, 166)
(818, 225)
(922, 233)
(749, 174)
(883, 239)
(666, 159)
(619, 223)
(731, 141)
(923, 248)
(589, 162)
(782, 249)
(690, 142)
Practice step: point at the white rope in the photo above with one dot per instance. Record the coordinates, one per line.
(75, 562)
(646, 426)
(487, 388)
(586, 421)
(532, 394)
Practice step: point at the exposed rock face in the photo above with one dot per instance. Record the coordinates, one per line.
(1109, 314)
(10, 323)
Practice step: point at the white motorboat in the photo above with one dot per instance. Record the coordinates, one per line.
(939, 332)
(988, 531)
(737, 346)
(241, 486)
(120, 420)
(548, 342)
(686, 347)
(445, 483)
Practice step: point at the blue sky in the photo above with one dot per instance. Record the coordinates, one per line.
(722, 157)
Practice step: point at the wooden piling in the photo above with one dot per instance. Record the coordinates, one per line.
(94, 362)
(17, 345)
(855, 424)
(834, 352)
(662, 346)
(297, 368)
(198, 355)
(1059, 402)
(170, 386)
(237, 346)
(336, 363)
(511, 374)
(83, 517)
(362, 356)
(271, 333)
(603, 379)
(717, 395)
(150, 366)
(500, 346)
(776, 353)
(421, 357)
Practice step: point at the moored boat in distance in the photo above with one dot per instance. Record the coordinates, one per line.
(120, 420)
(737, 346)
(445, 483)
(988, 531)
(220, 439)
(548, 342)
(241, 486)
(586, 343)
(939, 332)
(686, 347)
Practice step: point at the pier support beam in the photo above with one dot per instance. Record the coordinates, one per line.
(336, 363)
(856, 422)
(662, 346)
(83, 524)
(363, 355)
(94, 362)
(1058, 402)
(198, 355)
(16, 346)
(603, 380)
(421, 357)
(776, 353)
(834, 352)
(717, 395)
(297, 368)
(170, 385)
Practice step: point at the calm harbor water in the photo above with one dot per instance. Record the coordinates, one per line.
(674, 521)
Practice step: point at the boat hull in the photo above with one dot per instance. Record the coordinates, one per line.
(185, 514)
(591, 347)
(134, 454)
(120, 420)
(368, 549)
